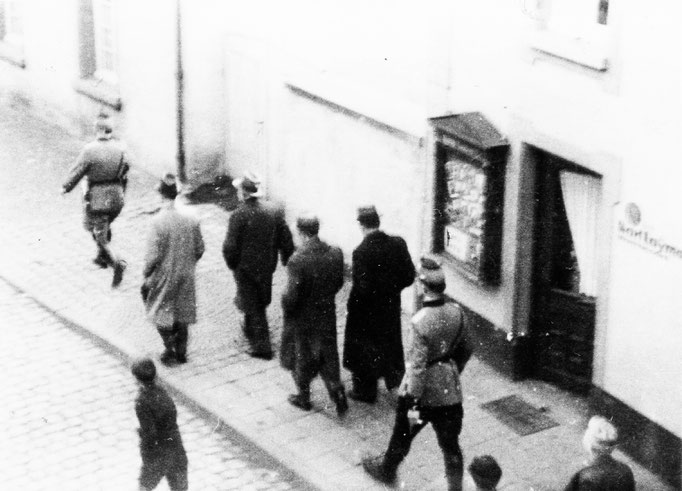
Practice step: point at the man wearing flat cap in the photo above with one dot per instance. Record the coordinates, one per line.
(161, 448)
(174, 246)
(309, 346)
(373, 346)
(431, 390)
(103, 167)
(256, 234)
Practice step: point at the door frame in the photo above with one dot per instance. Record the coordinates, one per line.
(530, 141)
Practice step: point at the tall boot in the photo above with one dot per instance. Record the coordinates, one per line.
(377, 468)
(181, 335)
(339, 398)
(168, 338)
(454, 472)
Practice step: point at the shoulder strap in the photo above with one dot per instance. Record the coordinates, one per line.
(119, 174)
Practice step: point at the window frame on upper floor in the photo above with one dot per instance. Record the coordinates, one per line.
(98, 53)
(12, 32)
(574, 30)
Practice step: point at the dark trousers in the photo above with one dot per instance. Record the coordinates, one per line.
(253, 297)
(328, 371)
(164, 462)
(175, 338)
(257, 331)
(101, 234)
(447, 423)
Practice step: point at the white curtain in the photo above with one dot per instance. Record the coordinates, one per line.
(582, 194)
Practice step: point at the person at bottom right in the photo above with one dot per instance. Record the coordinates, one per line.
(602, 472)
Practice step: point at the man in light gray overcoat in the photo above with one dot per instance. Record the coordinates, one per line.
(174, 246)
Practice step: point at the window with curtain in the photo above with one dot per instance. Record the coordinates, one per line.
(581, 196)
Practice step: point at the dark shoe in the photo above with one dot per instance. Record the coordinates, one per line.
(341, 403)
(168, 358)
(358, 396)
(101, 262)
(299, 402)
(119, 268)
(374, 466)
(263, 355)
(181, 358)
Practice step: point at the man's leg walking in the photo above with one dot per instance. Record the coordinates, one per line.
(385, 468)
(168, 337)
(330, 371)
(181, 337)
(101, 233)
(260, 341)
(447, 423)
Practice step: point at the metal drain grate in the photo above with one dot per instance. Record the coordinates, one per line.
(518, 415)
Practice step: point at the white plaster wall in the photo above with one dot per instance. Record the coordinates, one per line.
(146, 54)
(625, 124)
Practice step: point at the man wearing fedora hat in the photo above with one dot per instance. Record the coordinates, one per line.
(102, 164)
(174, 246)
(256, 233)
(373, 346)
(430, 391)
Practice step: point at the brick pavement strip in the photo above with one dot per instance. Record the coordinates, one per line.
(47, 254)
(102, 455)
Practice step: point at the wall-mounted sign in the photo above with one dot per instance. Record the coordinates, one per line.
(470, 164)
(630, 230)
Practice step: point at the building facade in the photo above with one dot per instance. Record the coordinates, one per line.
(530, 143)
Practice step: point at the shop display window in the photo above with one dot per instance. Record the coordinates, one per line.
(470, 163)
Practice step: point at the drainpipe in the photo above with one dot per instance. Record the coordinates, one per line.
(180, 103)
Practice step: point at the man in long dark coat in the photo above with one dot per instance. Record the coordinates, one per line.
(161, 448)
(101, 162)
(174, 246)
(373, 347)
(309, 347)
(256, 233)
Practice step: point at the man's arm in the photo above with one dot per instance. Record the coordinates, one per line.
(406, 271)
(416, 363)
(291, 298)
(76, 173)
(199, 247)
(232, 242)
(463, 350)
(285, 242)
(147, 431)
(152, 255)
(338, 268)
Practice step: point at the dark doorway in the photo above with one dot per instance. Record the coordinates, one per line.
(564, 272)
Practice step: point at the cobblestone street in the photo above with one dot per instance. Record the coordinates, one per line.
(68, 419)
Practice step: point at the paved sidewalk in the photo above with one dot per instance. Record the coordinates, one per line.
(68, 420)
(47, 254)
